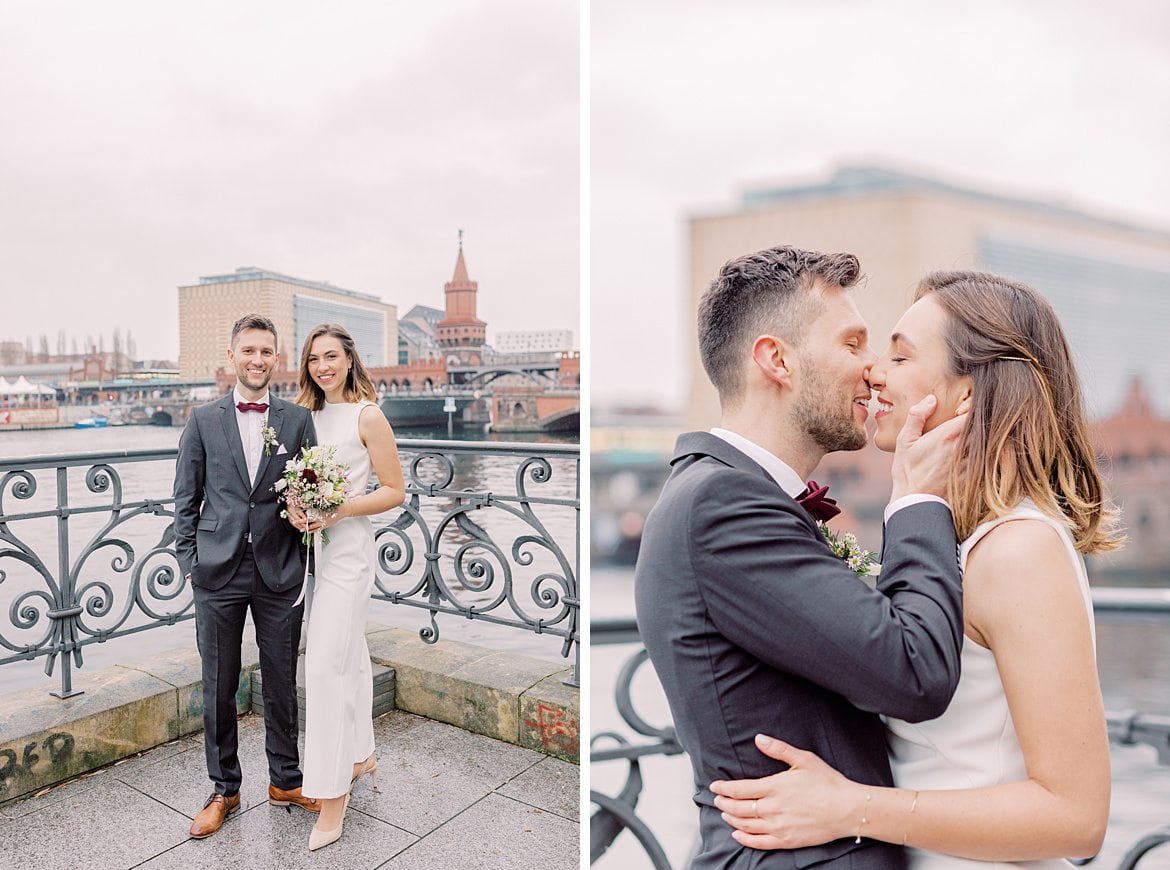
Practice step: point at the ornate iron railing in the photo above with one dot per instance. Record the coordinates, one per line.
(619, 812)
(62, 602)
(616, 813)
(456, 527)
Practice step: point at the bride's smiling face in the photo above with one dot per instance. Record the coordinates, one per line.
(328, 365)
(917, 363)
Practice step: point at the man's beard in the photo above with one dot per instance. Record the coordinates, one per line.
(245, 377)
(822, 418)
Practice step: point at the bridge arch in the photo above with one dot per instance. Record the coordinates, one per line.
(566, 420)
(487, 376)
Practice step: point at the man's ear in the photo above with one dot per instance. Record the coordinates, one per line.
(773, 357)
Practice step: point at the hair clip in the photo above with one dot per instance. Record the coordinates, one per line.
(1015, 358)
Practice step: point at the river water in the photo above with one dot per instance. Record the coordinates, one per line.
(1134, 662)
(141, 480)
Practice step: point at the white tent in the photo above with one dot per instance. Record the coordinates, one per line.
(23, 387)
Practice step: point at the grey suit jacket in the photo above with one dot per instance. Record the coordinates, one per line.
(754, 626)
(216, 508)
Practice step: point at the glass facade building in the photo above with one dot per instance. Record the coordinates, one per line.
(1115, 315)
(367, 327)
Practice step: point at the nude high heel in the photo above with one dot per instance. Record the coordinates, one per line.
(370, 766)
(319, 839)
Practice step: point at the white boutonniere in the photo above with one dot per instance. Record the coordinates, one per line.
(846, 548)
(269, 436)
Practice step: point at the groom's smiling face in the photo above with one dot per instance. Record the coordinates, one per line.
(833, 401)
(253, 357)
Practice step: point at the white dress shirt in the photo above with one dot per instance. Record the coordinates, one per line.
(790, 481)
(251, 425)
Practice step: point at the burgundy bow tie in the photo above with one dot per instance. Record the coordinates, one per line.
(815, 499)
(245, 407)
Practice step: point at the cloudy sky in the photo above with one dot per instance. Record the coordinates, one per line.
(692, 102)
(146, 144)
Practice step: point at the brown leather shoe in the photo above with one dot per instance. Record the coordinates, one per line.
(280, 797)
(210, 818)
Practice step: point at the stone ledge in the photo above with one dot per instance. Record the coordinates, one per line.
(122, 711)
(384, 691)
(147, 702)
(44, 740)
(182, 669)
(550, 718)
(509, 697)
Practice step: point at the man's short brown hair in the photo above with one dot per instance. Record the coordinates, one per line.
(252, 321)
(759, 293)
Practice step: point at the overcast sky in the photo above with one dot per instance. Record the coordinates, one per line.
(692, 102)
(146, 144)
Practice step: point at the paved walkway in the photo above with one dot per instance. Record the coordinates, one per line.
(448, 799)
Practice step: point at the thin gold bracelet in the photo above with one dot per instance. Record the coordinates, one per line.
(913, 806)
(864, 814)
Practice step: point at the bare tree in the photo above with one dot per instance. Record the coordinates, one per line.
(73, 346)
(60, 342)
(43, 354)
(117, 342)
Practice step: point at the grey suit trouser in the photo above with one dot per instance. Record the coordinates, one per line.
(219, 630)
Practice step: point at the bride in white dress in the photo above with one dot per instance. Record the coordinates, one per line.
(339, 732)
(1016, 771)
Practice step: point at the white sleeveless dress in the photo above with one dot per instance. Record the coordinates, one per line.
(339, 684)
(973, 744)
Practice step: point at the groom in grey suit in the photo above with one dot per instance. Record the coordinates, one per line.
(753, 625)
(239, 555)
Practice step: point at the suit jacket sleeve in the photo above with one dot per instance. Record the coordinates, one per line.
(772, 586)
(190, 468)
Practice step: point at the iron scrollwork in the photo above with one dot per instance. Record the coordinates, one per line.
(619, 812)
(484, 554)
(478, 548)
(83, 601)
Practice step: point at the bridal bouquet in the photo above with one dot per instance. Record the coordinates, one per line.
(315, 484)
(846, 548)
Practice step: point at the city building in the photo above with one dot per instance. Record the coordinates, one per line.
(533, 341)
(1109, 280)
(1135, 444)
(433, 340)
(417, 335)
(13, 353)
(208, 309)
(460, 333)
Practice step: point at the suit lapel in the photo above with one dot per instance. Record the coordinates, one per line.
(275, 422)
(231, 431)
(691, 445)
(706, 444)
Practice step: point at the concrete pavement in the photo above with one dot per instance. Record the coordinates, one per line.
(449, 798)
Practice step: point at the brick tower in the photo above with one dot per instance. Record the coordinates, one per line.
(460, 332)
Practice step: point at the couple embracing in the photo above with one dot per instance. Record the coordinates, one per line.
(951, 716)
(239, 555)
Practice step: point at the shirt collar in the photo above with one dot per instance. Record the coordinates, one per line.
(238, 398)
(779, 470)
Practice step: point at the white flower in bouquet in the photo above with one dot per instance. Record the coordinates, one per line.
(314, 483)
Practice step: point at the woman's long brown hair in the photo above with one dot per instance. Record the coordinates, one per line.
(1026, 435)
(358, 385)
